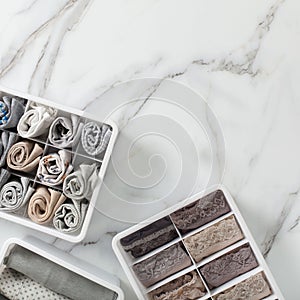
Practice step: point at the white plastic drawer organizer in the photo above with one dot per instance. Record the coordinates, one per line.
(32, 269)
(198, 249)
(52, 163)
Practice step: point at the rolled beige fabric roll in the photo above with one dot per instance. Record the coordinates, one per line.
(24, 156)
(43, 203)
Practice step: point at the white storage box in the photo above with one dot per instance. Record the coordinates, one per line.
(65, 260)
(78, 157)
(135, 254)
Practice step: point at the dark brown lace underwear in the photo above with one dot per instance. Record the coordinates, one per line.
(188, 286)
(201, 212)
(162, 265)
(150, 237)
(229, 266)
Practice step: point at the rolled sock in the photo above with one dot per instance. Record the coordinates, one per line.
(54, 168)
(11, 110)
(65, 132)
(255, 288)
(17, 286)
(12, 195)
(7, 139)
(95, 138)
(149, 238)
(24, 156)
(81, 183)
(162, 265)
(213, 238)
(56, 277)
(70, 216)
(200, 212)
(43, 203)
(229, 266)
(36, 121)
(186, 287)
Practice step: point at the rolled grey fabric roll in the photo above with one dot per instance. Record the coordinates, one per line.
(95, 138)
(56, 277)
(12, 195)
(11, 110)
(7, 139)
(70, 216)
(36, 120)
(81, 183)
(54, 167)
(65, 132)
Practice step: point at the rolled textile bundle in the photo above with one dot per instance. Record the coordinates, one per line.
(24, 156)
(17, 286)
(11, 110)
(65, 132)
(36, 120)
(7, 139)
(69, 216)
(13, 195)
(94, 138)
(54, 167)
(81, 183)
(56, 277)
(43, 203)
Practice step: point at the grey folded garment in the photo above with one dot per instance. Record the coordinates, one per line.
(12, 195)
(56, 277)
(95, 138)
(16, 286)
(54, 168)
(36, 120)
(65, 132)
(11, 110)
(81, 184)
(69, 216)
(4, 176)
(7, 139)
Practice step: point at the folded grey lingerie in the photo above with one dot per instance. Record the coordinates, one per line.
(7, 139)
(81, 184)
(11, 110)
(95, 138)
(55, 277)
(13, 194)
(65, 132)
(70, 215)
(54, 167)
(36, 121)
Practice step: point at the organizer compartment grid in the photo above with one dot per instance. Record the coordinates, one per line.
(77, 157)
(127, 261)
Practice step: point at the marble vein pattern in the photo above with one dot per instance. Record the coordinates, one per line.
(241, 56)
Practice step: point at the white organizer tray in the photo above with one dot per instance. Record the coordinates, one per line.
(23, 220)
(127, 261)
(65, 260)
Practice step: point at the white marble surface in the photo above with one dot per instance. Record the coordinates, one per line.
(242, 56)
